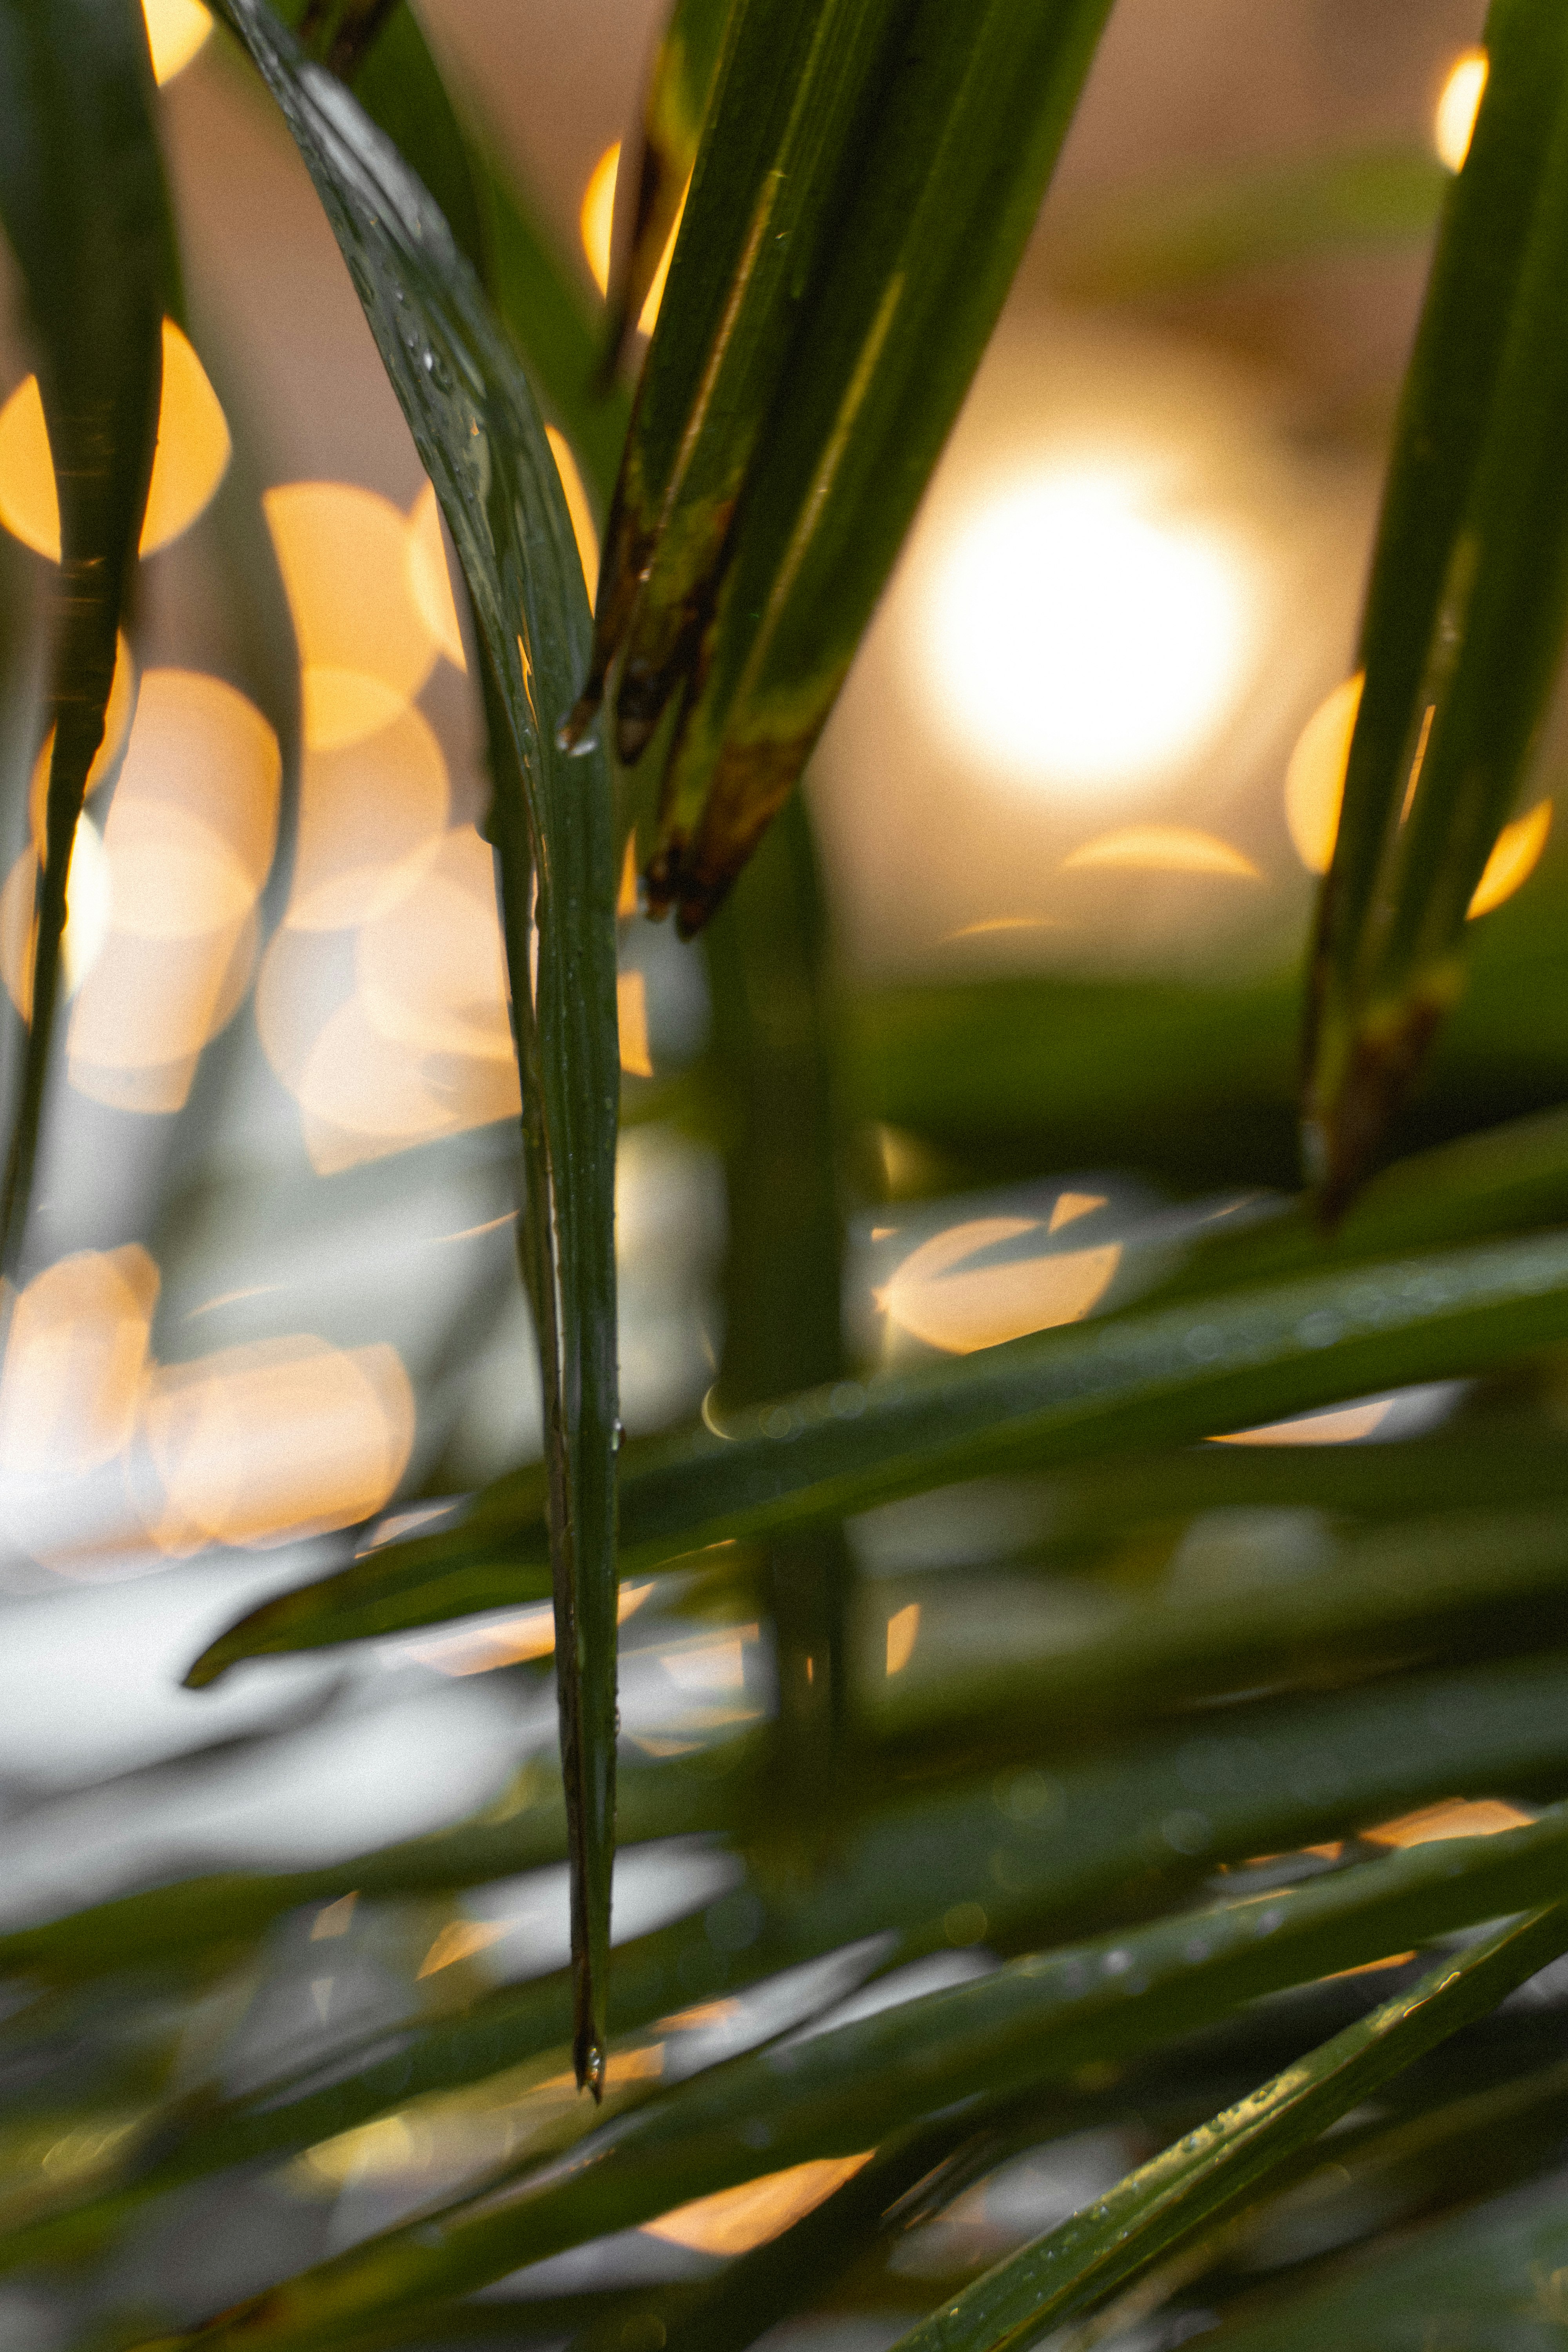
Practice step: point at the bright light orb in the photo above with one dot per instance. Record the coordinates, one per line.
(1083, 638)
(1458, 106)
(176, 30)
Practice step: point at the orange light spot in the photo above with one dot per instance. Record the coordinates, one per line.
(631, 1008)
(529, 1635)
(189, 844)
(1163, 849)
(333, 1919)
(626, 896)
(365, 647)
(577, 506)
(735, 2220)
(1456, 1817)
(373, 815)
(86, 917)
(75, 1358)
(596, 216)
(1070, 1206)
(190, 461)
(1516, 853)
(655, 296)
(1342, 1424)
(903, 1631)
(1453, 123)
(459, 1940)
(432, 972)
(1315, 778)
(258, 1445)
(176, 30)
(939, 1296)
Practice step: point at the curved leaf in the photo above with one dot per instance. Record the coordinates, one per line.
(1465, 610)
(83, 202)
(1078, 2265)
(478, 435)
(1162, 1377)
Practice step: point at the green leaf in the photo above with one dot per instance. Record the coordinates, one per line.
(83, 203)
(785, 1272)
(793, 86)
(680, 82)
(950, 162)
(850, 2088)
(1138, 1380)
(1161, 2206)
(478, 435)
(1465, 612)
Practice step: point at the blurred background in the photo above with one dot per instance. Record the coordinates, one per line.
(1067, 819)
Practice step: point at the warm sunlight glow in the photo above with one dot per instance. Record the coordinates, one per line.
(1315, 778)
(596, 221)
(365, 647)
(903, 1631)
(430, 577)
(511, 1643)
(1342, 1424)
(1457, 108)
(941, 1295)
(1516, 853)
(74, 1363)
(596, 218)
(88, 900)
(275, 1440)
(1163, 849)
(176, 31)
(189, 842)
(189, 463)
(371, 815)
(1083, 634)
(734, 2220)
(631, 1006)
(577, 506)
(1458, 1817)
(409, 1038)
(627, 896)
(1070, 1206)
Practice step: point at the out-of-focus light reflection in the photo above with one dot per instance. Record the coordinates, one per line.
(1516, 853)
(939, 1296)
(1315, 778)
(529, 1635)
(365, 646)
(631, 1008)
(188, 846)
(1071, 1206)
(413, 1040)
(1163, 849)
(596, 218)
(577, 506)
(371, 814)
(88, 902)
(734, 2220)
(1458, 106)
(1083, 632)
(117, 717)
(430, 579)
(598, 214)
(1342, 1424)
(1456, 1817)
(264, 1443)
(176, 30)
(903, 1631)
(459, 1939)
(190, 461)
(75, 1360)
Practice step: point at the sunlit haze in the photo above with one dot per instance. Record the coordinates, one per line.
(1085, 633)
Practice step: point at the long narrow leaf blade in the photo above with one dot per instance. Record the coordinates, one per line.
(972, 110)
(1156, 2208)
(478, 434)
(83, 203)
(1162, 1377)
(680, 82)
(1465, 610)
